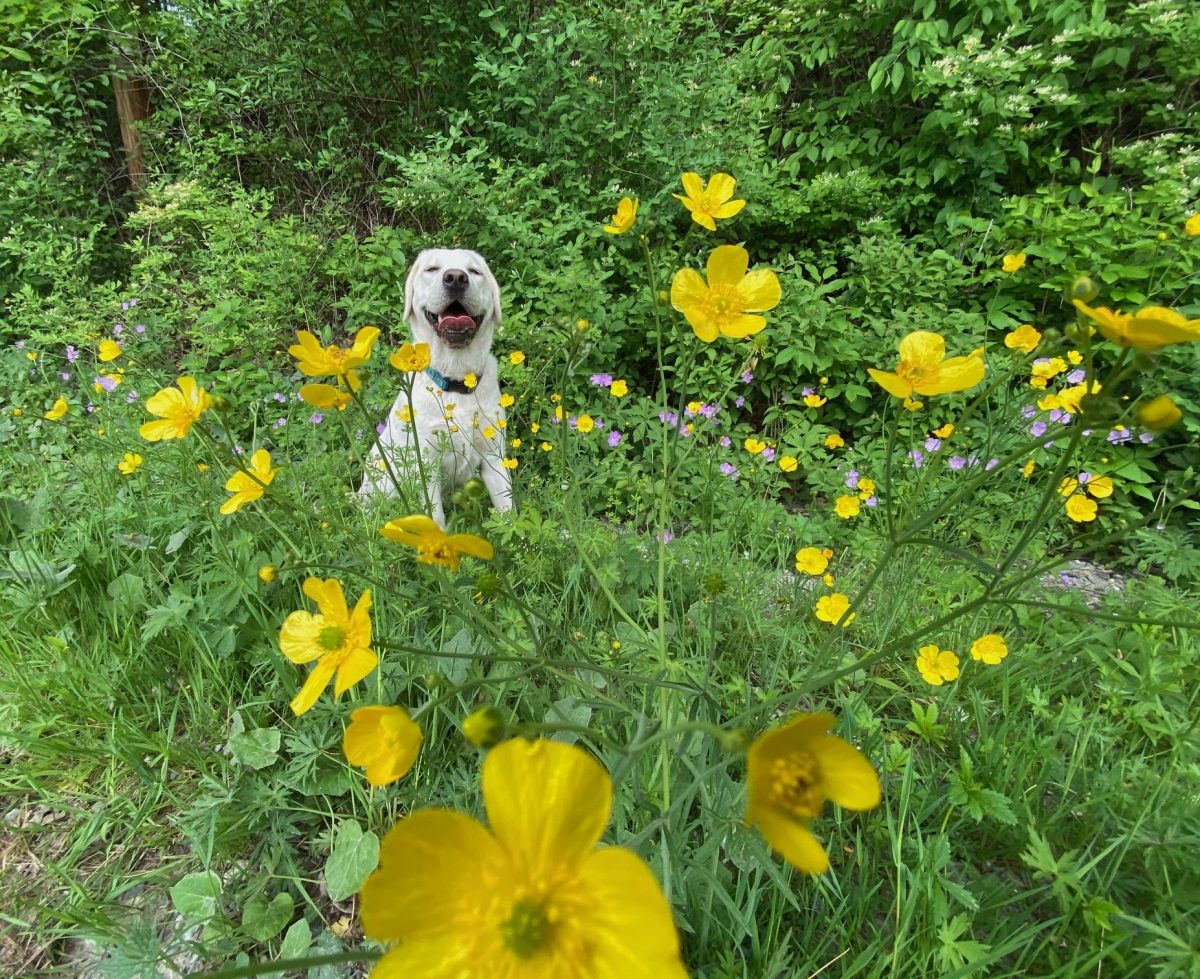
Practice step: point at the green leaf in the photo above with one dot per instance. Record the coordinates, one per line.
(197, 896)
(297, 940)
(355, 854)
(262, 921)
(256, 749)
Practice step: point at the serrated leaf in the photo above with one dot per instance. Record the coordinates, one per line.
(296, 941)
(262, 921)
(256, 749)
(197, 896)
(355, 854)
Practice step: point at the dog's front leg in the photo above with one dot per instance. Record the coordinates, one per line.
(498, 481)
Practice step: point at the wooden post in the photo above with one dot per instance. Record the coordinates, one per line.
(133, 105)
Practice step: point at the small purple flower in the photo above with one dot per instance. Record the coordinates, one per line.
(1037, 429)
(358, 434)
(668, 418)
(280, 397)
(90, 408)
(917, 457)
(573, 422)
(1087, 432)
(237, 450)
(316, 418)
(1084, 478)
(1119, 436)
(124, 307)
(805, 392)
(117, 328)
(131, 397)
(956, 462)
(991, 464)
(747, 377)
(280, 422)
(72, 354)
(769, 454)
(107, 383)
(1146, 438)
(614, 439)
(666, 537)
(726, 441)
(973, 461)
(20, 344)
(1076, 376)
(599, 423)
(1057, 415)
(601, 380)
(708, 410)
(871, 501)
(133, 302)
(852, 479)
(140, 328)
(730, 470)
(65, 376)
(739, 401)
(932, 444)
(1028, 411)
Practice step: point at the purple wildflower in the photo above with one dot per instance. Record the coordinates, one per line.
(991, 464)
(932, 444)
(124, 307)
(1057, 415)
(107, 383)
(601, 380)
(614, 439)
(747, 377)
(730, 470)
(280, 397)
(708, 410)
(140, 328)
(769, 454)
(1028, 411)
(72, 354)
(280, 422)
(316, 418)
(917, 457)
(1037, 429)
(117, 328)
(1119, 436)
(666, 537)
(726, 441)
(852, 479)
(20, 344)
(1076, 376)
(131, 397)
(805, 392)
(65, 376)
(739, 401)
(956, 462)
(871, 501)
(1146, 438)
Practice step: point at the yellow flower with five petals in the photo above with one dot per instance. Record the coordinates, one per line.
(1148, 329)
(249, 485)
(727, 304)
(434, 545)
(315, 360)
(383, 740)
(624, 218)
(924, 369)
(177, 408)
(711, 203)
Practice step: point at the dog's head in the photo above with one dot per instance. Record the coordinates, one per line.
(451, 298)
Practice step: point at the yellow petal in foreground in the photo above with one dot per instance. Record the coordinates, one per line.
(726, 304)
(57, 410)
(791, 772)
(924, 369)
(325, 396)
(383, 740)
(434, 545)
(250, 484)
(177, 408)
(1148, 329)
(1159, 414)
(533, 897)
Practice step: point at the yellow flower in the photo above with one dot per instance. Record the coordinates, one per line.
(531, 898)
(534, 428)
(833, 608)
(405, 414)
(1048, 368)
(334, 361)
(944, 432)
(1070, 399)
(59, 409)
(201, 466)
(990, 649)
(545, 446)
(1014, 261)
(413, 358)
(129, 463)
(489, 432)
(515, 443)
(847, 507)
(509, 463)
(866, 489)
(17, 412)
(814, 400)
(924, 369)
(178, 409)
(383, 740)
(623, 220)
(937, 666)
(31, 356)
(754, 446)
(337, 638)
(109, 350)
(1075, 357)
(325, 396)
(723, 305)
(1192, 225)
(812, 561)
(1081, 509)
(789, 464)
(582, 326)
(790, 772)
(693, 407)
(1027, 469)
(711, 203)
(268, 573)
(516, 357)
(558, 412)
(507, 400)
(1101, 487)
(434, 545)
(470, 380)
(1023, 338)
(1037, 382)
(618, 389)
(247, 487)
(555, 397)
(834, 441)
(1159, 413)
(484, 728)
(1148, 329)
(584, 424)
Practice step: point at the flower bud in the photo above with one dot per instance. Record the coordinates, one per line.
(484, 728)
(221, 404)
(475, 489)
(488, 585)
(268, 573)
(582, 326)
(1083, 288)
(714, 584)
(736, 741)
(1159, 414)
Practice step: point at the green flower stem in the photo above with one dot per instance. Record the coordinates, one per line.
(297, 966)
(377, 442)
(1094, 615)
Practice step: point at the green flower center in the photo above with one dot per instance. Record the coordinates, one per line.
(527, 930)
(915, 373)
(331, 637)
(796, 785)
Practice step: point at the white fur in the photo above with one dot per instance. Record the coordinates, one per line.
(449, 426)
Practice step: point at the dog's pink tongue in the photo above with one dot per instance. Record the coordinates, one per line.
(456, 323)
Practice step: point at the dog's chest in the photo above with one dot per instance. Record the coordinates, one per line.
(466, 428)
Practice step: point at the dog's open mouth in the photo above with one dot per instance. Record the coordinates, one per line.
(454, 324)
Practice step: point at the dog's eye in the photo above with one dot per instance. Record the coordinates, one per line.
(434, 268)
(475, 272)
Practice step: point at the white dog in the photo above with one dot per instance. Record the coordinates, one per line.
(452, 303)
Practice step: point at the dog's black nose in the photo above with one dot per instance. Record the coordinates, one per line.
(455, 280)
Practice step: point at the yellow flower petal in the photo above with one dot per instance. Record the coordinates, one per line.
(759, 291)
(847, 777)
(727, 265)
(313, 687)
(792, 840)
(923, 348)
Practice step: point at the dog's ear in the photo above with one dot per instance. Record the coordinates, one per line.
(410, 285)
(494, 289)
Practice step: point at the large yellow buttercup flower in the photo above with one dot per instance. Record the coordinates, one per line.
(1148, 329)
(434, 545)
(791, 771)
(712, 203)
(725, 303)
(383, 740)
(414, 357)
(325, 396)
(924, 369)
(338, 639)
(178, 409)
(334, 361)
(57, 410)
(531, 898)
(247, 487)
(623, 219)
